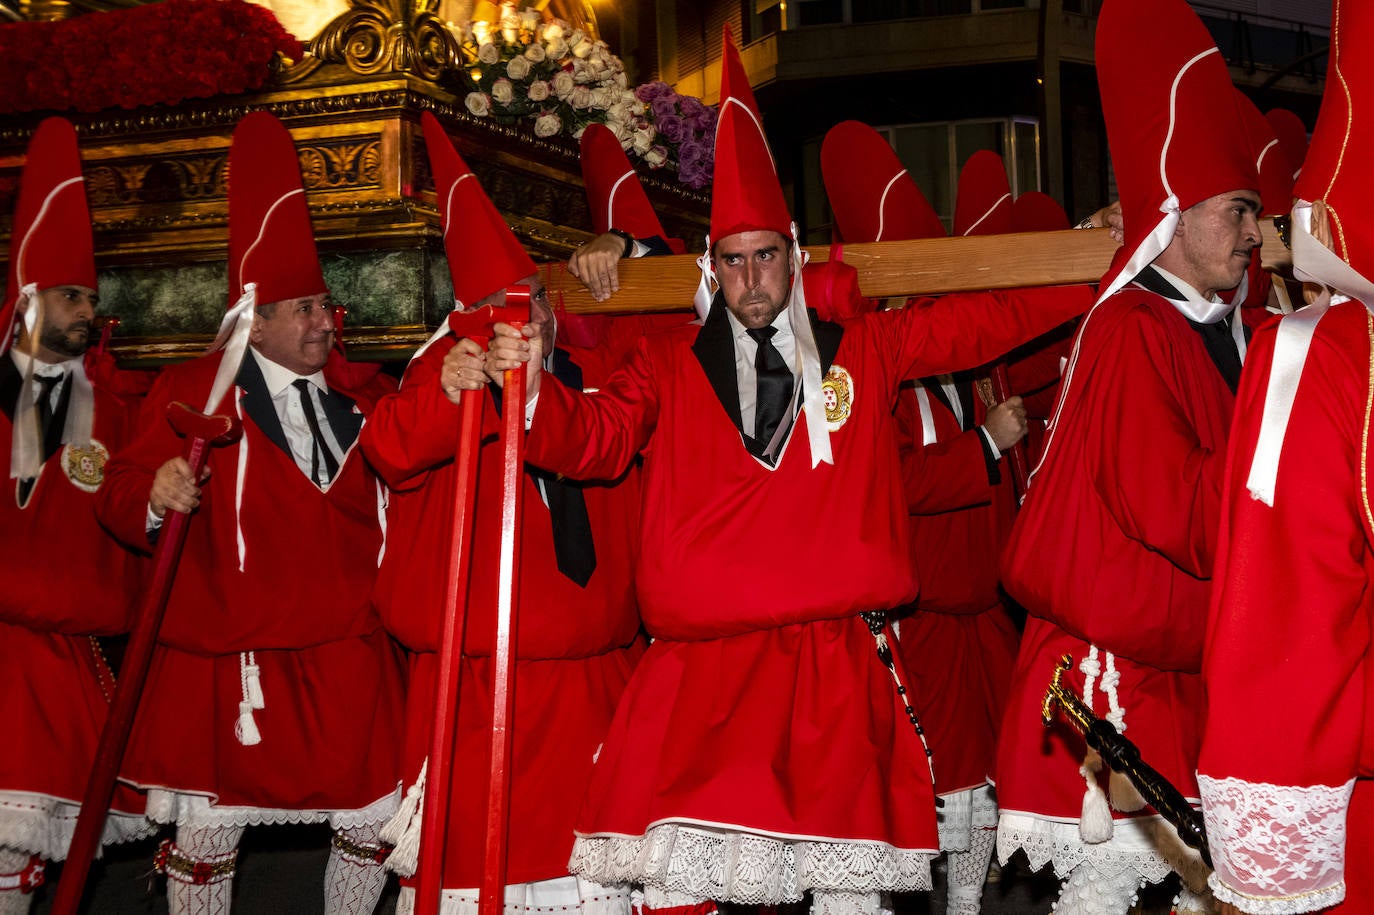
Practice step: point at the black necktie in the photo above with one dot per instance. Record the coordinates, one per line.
(573, 550)
(774, 386)
(321, 450)
(46, 384)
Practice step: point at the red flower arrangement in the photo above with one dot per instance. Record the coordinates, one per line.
(160, 53)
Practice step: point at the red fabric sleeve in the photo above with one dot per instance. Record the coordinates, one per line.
(595, 436)
(1156, 479)
(944, 475)
(965, 330)
(415, 429)
(122, 505)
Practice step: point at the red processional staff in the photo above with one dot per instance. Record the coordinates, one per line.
(505, 264)
(201, 433)
(477, 325)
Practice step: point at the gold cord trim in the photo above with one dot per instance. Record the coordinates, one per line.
(1364, 439)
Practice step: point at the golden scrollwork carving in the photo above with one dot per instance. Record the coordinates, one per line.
(381, 36)
(203, 177)
(345, 165)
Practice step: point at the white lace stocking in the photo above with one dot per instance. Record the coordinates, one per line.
(1089, 891)
(353, 884)
(210, 845)
(839, 902)
(968, 870)
(14, 901)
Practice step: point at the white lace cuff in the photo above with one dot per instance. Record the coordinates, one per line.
(1278, 849)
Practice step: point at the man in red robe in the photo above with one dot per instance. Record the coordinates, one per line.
(1287, 763)
(66, 580)
(956, 641)
(577, 624)
(761, 750)
(1112, 551)
(274, 694)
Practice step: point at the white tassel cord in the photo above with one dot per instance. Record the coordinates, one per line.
(402, 831)
(1095, 821)
(250, 683)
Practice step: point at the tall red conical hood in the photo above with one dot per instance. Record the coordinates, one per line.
(484, 255)
(870, 191)
(614, 194)
(983, 204)
(271, 241)
(745, 192)
(1173, 125)
(50, 242)
(1275, 172)
(1292, 134)
(1035, 211)
(1335, 170)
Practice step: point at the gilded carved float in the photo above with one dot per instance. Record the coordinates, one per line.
(156, 179)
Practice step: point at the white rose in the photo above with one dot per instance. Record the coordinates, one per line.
(563, 84)
(547, 124)
(581, 97)
(643, 139)
(624, 132)
(502, 92)
(517, 68)
(553, 31)
(558, 48)
(655, 157)
(488, 53)
(479, 103)
(535, 53)
(575, 37)
(582, 48)
(602, 98)
(620, 81)
(538, 91)
(638, 107)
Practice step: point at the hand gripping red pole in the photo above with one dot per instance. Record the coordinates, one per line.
(476, 325)
(201, 432)
(1020, 466)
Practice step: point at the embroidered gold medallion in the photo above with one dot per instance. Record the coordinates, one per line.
(837, 390)
(85, 467)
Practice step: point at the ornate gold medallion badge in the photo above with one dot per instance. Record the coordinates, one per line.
(838, 392)
(85, 467)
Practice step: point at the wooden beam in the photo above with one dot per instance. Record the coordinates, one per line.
(892, 268)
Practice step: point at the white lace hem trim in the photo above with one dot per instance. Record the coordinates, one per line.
(1145, 846)
(168, 806)
(544, 897)
(42, 825)
(710, 861)
(1278, 849)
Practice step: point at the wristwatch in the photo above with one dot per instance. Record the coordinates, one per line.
(627, 238)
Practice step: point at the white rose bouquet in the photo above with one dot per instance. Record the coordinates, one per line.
(530, 66)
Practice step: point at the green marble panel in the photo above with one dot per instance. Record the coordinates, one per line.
(383, 288)
(165, 301)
